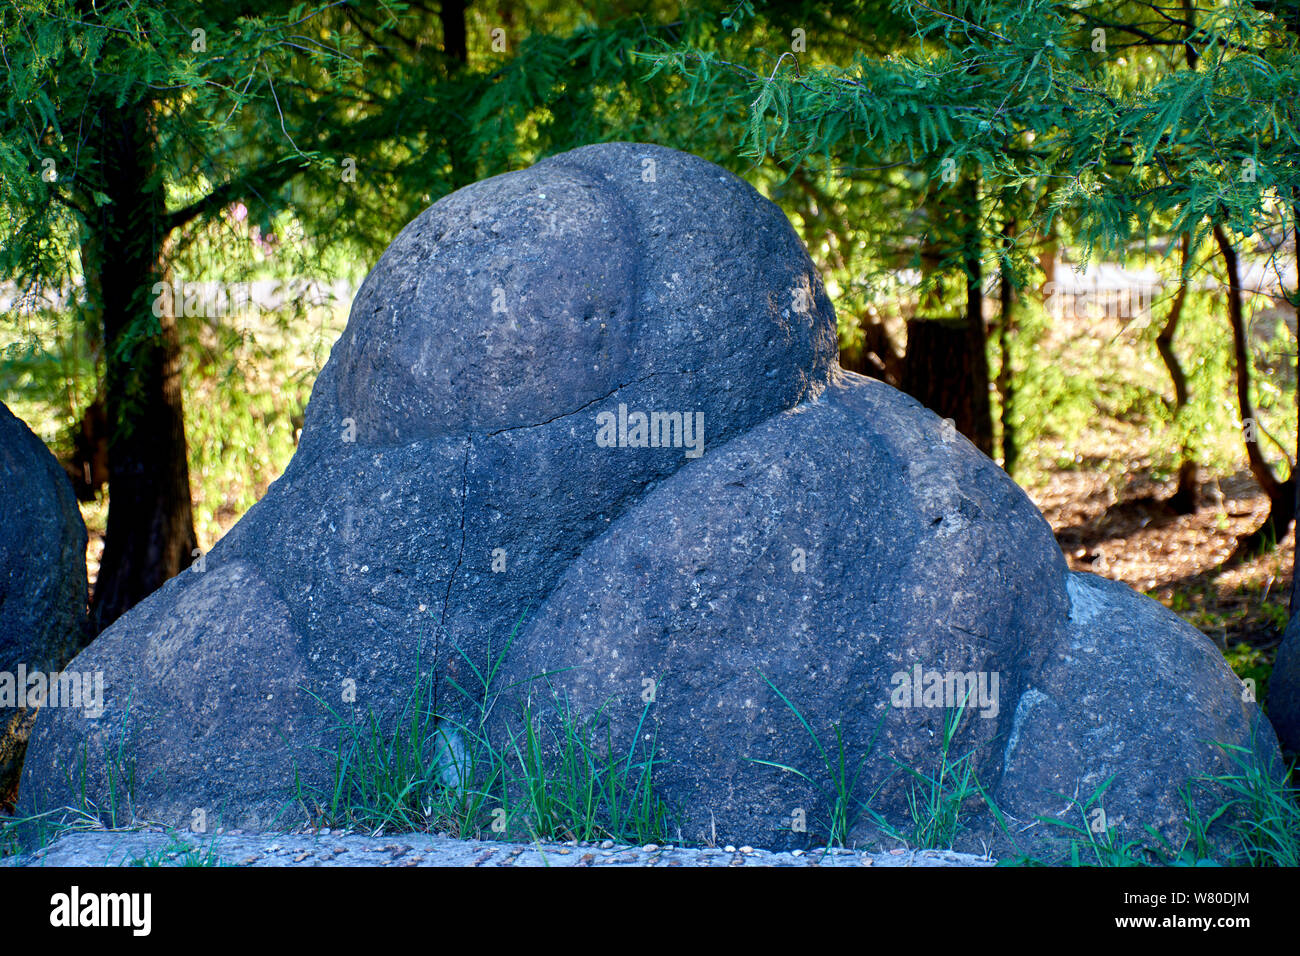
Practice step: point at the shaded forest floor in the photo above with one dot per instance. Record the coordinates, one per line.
(1128, 534)
(1100, 448)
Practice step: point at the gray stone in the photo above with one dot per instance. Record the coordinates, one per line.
(1131, 692)
(443, 436)
(827, 547)
(42, 577)
(825, 553)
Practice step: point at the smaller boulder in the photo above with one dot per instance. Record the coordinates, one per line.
(43, 587)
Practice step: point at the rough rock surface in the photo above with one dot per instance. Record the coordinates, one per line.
(42, 576)
(1129, 690)
(471, 459)
(429, 454)
(872, 543)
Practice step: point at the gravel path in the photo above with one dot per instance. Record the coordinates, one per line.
(117, 848)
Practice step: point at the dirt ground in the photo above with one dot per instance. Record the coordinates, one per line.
(1127, 534)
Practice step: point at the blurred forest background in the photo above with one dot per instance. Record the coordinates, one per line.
(1068, 226)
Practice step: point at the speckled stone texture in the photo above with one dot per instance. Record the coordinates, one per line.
(500, 439)
(43, 587)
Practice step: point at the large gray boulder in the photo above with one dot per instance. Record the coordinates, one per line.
(831, 553)
(42, 582)
(451, 431)
(601, 394)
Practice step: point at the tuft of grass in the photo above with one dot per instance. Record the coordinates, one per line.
(937, 801)
(843, 777)
(1089, 839)
(119, 777)
(381, 777)
(1261, 814)
(553, 777)
(38, 830)
(117, 811)
(577, 787)
(178, 852)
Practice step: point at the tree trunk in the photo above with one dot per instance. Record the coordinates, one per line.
(946, 367)
(1281, 495)
(978, 357)
(451, 14)
(938, 371)
(1295, 578)
(150, 534)
(1048, 250)
(1186, 498)
(1006, 380)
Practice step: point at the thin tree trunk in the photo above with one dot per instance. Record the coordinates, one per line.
(1047, 253)
(150, 533)
(1186, 497)
(1295, 578)
(1281, 495)
(451, 15)
(979, 353)
(1284, 687)
(1006, 380)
